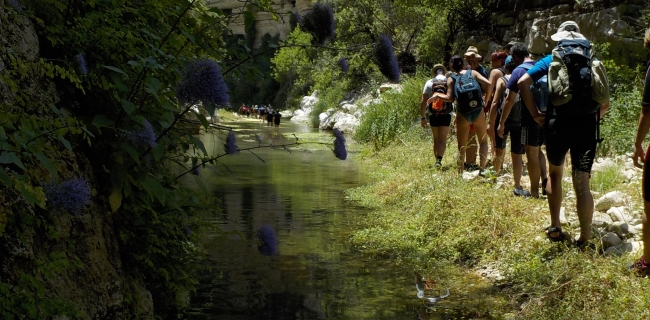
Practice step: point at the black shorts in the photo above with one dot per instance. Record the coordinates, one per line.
(440, 120)
(577, 134)
(514, 130)
(645, 186)
(532, 135)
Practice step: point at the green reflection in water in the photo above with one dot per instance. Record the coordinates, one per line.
(315, 274)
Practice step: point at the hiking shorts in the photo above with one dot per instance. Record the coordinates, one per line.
(512, 129)
(532, 135)
(575, 134)
(439, 120)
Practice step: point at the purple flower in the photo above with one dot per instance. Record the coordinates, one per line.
(385, 59)
(343, 64)
(81, 64)
(230, 147)
(269, 244)
(142, 139)
(16, 5)
(339, 145)
(70, 195)
(202, 81)
(319, 21)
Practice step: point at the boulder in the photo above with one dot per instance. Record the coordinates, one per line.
(473, 175)
(622, 229)
(619, 214)
(602, 164)
(390, 86)
(601, 220)
(610, 239)
(611, 199)
(623, 248)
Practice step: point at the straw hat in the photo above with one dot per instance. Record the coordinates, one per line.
(439, 66)
(472, 51)
(567, 30)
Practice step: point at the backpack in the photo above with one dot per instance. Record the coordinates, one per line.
(515, 112)
(439, 107)
(539, 89)
(468, 93)
(575, 76)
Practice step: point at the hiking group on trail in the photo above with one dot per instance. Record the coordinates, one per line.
(261, 112)
(557, 101)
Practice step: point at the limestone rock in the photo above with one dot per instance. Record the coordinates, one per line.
(619, 214)
(610, 239)
(602, 164)
(623, 248)
(390, 86)
(601, 220)
(473, 175)
(611, 199)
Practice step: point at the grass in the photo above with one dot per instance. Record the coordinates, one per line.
(421, 215)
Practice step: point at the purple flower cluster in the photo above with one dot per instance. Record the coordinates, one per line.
(230, 147)
(339, 145)
(16, 5)
(142, 139)
(269, 244)
(81, 64)
(319, 21)
(202, 81)
(70, 195)
(385, 59)
(343, 64)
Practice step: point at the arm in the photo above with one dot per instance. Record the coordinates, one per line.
(526, 95)
(486, 86)
(507, 106)
(500, 89)
(494, 77)
(449, 97)
(423, 105)
(644, 125)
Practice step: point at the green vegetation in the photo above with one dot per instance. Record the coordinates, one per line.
(423, 217)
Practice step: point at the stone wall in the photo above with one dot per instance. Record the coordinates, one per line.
(264, 22)
(533, 22)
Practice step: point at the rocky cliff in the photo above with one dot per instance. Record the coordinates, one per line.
(617, 22)
(264, 21)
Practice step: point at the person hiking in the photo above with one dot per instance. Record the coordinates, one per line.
(473, 59)
(439, 120)
(269, 116)
(571, 121)
(512, 129)
(532, 134)
(642, 160)
(470, 104)
(276, 118)
(497, 59)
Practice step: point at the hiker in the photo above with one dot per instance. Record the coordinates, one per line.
(470, 104)
(276, 118)
(262, 112)
(532, 134)
(641, 265)
(512, 129)
(571, 120)
(269, 117)
(439, 115)
(497, 60)
(473, 58)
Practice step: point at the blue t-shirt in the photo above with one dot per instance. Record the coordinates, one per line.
(526, 117)
(540, 69)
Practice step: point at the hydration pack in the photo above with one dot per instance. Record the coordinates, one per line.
(468, 93)
(439, 107)
(539, 89)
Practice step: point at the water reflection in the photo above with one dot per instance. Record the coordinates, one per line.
(312, 274)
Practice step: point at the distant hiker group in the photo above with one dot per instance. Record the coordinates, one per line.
(261, 112)
(557, 102)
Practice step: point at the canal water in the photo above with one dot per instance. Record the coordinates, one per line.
(315, 274)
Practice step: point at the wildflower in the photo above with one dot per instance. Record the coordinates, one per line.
(142, 139)
(343, 64)
(339, 145)
(202, 82)
(81, 64)
(16, 5)
(269, 244)
(230, 147)
(385, 58)
(70, 195)
(319, 21)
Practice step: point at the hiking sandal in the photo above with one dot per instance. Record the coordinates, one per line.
(561, 237)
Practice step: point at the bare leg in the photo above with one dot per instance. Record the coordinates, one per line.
(498, 159)
(440, 140)
(554, 192)
(517, 168)
(462, 134)
(585, 203)
(542, 165)
(533, 169)
(480, 126)
(472, 147)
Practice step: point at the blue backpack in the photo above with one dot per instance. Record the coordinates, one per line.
(539, 89)
(468, 93)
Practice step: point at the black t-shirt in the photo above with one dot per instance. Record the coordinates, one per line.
(645, 102)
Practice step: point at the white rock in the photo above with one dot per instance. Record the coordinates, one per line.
(471, 175)
(611, 199)
(619, 214)
(390, 86)
(602, 164)
(563, 219)
(610, 239)
(601, 220)
(622, 229)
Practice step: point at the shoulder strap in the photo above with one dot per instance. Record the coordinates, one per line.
(526, 66)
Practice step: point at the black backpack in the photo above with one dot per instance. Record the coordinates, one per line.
(468, 93)
(440, 86)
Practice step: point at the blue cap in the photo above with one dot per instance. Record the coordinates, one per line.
(509, 59)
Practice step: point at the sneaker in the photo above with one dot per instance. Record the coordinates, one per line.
(640, 267)
(520, 192)
(438, 163)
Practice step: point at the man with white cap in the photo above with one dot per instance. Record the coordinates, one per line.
(570, 125)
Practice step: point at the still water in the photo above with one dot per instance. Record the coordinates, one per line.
(315, 273)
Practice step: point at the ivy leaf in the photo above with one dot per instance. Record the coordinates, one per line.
(115, 200)
(128, 106)
(45, 161)
(65, 143)
(11, 157)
